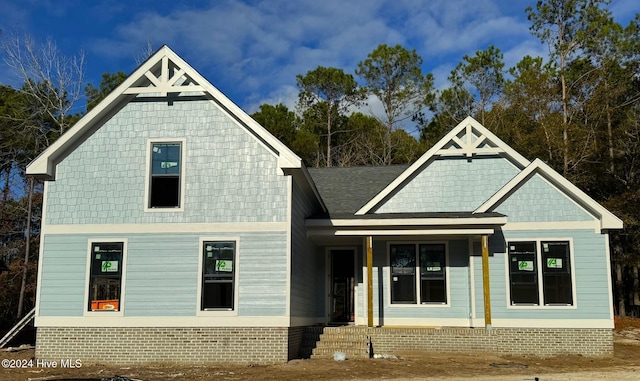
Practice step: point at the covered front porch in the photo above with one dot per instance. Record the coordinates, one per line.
(394, 270)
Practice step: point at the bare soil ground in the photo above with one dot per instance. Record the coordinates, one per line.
(625, 365)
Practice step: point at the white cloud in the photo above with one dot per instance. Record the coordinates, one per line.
(253, 50)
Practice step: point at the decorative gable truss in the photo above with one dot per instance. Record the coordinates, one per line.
(468, 139)
(471, 139)
(161, 74)
(164, 77)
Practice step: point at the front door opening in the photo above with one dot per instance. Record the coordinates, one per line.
(342, 286)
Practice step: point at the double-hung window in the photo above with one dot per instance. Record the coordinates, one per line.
(218, 275)
(105, 276)
(540, 273)
(165, 175)
(433, 277)
(429, 260)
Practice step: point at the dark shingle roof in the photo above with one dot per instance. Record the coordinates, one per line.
(344, 190)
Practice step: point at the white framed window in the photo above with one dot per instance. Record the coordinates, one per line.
(540, 273)
(419, 273)
(165, 183)
(105, 276)
(218, 277)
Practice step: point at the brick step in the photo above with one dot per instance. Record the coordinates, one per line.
(319, 342)
(351, 353)
(342, 344)
(340, 337)
(345, 330)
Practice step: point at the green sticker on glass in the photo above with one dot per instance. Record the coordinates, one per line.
(525, 265)
(554, 263)
(224, 265)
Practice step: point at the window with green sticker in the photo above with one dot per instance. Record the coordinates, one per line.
(165, 175)
(523, 273)
(427, 259)
(105, 282)
(540, 273)
(218, 275)
(556, 273)
(433, 277)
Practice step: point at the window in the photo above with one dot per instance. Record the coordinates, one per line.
(433, 278)
(165, 175)
(403, 273)
(556, 273)
(431, 261)
(218, 275)
(105, 276)
(523, 271)
(525, 278)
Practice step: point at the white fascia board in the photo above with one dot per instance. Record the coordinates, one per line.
(400, 232)
(44, 164)
(312, 186)
(407, 222)
(607, 219)
(434, 151)
(287, 158)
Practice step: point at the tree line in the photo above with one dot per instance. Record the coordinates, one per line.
(577, 109)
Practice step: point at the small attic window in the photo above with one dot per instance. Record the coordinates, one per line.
(165, 175)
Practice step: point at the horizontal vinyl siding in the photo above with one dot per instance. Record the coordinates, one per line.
(477, 279)
(459, 289)
(306, 263)
(63, 281)
(590, 270)
(263, 275)
(162, 274)
(459, 303)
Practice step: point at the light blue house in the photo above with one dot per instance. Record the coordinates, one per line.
(176, 228)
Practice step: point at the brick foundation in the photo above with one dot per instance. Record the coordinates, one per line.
(277, 345)
(543, 342)
(175, 345)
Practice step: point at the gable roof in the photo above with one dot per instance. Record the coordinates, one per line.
(607, 219)
(468, 139)
(161, 74)
(345, 189)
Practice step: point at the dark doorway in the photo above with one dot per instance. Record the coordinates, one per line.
(342, 285)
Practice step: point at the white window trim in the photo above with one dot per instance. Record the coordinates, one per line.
(417, 304)
(147, 177)
(236, 278)
(541, 306)
(123, 277)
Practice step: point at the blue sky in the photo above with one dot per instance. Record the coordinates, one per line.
(252, 50)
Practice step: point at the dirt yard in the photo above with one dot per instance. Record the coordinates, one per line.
(625, 365)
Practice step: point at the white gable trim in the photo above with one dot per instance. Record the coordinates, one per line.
(44, 164)
(467, 148)
(607, 219)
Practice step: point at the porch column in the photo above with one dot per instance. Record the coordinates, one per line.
(369, 246)
(485, 281)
